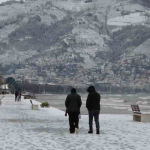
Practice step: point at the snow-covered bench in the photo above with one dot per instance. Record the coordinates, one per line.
(138, 116)
(34, 107)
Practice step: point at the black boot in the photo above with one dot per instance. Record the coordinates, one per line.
(97, 131)
(91, 130)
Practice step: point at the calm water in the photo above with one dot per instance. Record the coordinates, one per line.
(110, 103)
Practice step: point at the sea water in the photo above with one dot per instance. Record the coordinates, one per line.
(110, 103)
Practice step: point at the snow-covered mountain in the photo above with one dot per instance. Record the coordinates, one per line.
(77, 41)
(2, 1)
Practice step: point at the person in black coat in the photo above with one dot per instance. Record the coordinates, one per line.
(73, 103)
(93, 106)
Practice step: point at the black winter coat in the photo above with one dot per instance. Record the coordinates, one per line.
(93, 99)
(73, 102)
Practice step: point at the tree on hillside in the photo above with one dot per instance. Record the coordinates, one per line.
(145, 3)
(106, 18)
(1, 79)
(42, 36)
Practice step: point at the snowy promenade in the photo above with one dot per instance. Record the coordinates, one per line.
(47, 129)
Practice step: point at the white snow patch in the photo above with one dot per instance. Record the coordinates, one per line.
(16, 56)
(88, 62)
(1, 1)
(88, 36)
(71, 5)
(127, 19)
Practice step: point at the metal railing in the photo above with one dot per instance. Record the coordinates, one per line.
(1, 99)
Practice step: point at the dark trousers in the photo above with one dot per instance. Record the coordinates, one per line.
(73, 121)
(95, 114)
(16, 97)
(19, 98)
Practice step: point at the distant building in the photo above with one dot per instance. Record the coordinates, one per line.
(33, 80)
(103, 86)
(21, 71)
(4, 87)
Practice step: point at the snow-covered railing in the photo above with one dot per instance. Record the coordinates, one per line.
(1, 99)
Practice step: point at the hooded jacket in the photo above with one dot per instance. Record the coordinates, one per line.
(73, 102)
(93, 99)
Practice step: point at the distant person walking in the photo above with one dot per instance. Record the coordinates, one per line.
(93, 106)
(16, 95)
(73, 103)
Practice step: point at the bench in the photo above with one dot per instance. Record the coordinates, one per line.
(34, 107)
(138, 116)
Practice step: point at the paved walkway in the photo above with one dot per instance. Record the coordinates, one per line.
(47, 129)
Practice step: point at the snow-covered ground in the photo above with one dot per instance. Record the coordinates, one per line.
(127, 19)
(47, 129)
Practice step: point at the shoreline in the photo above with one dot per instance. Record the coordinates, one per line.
(110, 104)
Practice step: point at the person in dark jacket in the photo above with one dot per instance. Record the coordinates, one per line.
(73, 103)
(93, 106)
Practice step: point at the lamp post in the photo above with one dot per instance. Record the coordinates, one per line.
(21, 86)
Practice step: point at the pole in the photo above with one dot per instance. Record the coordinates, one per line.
(21, 87)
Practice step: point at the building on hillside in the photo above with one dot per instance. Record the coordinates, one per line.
(103, 86)
(33, 80)
(89, 84)
(22, 71)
